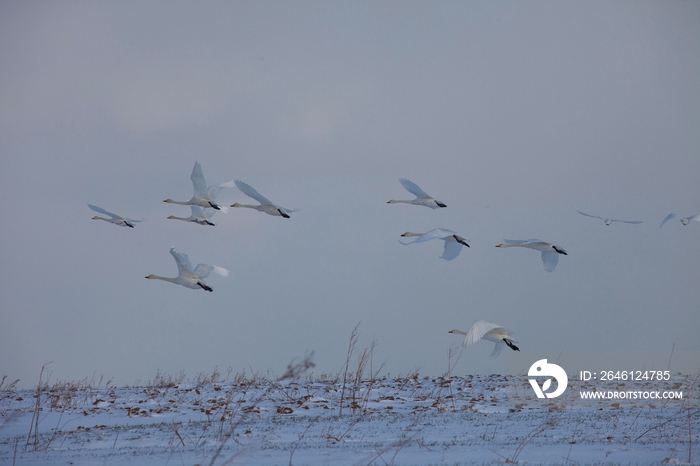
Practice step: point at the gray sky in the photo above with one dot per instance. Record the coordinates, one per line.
(513, 114)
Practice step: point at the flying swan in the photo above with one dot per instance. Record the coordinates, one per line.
(684, 220)
(116, 219)
(422, 198)
(189, 277)
(488, 331)
(609, 221)
(199, 215)
(453, 241)
(203, 196)
(265, 204)
(550, 252)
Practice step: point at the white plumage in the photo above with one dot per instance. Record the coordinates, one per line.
(453, 241)
(488, 331)
(684, 220)
(265, 204)
(550, 252)
(422, 198)
(609, 221)
(203, 196)
(191, 277)
(200, 216)
(114, 218)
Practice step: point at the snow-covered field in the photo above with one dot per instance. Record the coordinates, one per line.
(411, 420)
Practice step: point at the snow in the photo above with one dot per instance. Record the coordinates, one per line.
(408, 421)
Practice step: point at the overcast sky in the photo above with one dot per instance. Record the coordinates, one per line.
(514, 114)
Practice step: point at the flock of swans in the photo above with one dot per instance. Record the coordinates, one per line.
(203, 205)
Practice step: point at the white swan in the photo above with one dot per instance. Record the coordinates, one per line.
(453, 241)
(188, 276)
(199, 215)
(422, 198)
(265, 204)
(116, 219)
(684, 220)
(488, 331)
(609, 221)
(203, 196)
(550, 252)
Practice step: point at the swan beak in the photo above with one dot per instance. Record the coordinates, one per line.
(499, 245)
(451, 331)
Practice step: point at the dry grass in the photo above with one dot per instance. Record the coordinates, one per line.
(7, 394)
(239, 396)
(354, 389)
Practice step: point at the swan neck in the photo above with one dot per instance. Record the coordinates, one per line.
(157, 277)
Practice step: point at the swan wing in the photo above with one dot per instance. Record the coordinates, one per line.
(610, 220)
(202, 212)
(252, 193)
(183, 262)
(220, 270)
(694, 218)
(517, 241)
(539, 245)
(550, 260)
(102, 211)
(452, 250)
(538, 242)
(628, 221)
(668, 217)
(197, 177)
(208, 213)
(214, 190)
(531, 243)
(203, 270)
(478, 330)
(413, 188)
(588, 215)
(437, 233)
(497, 349)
